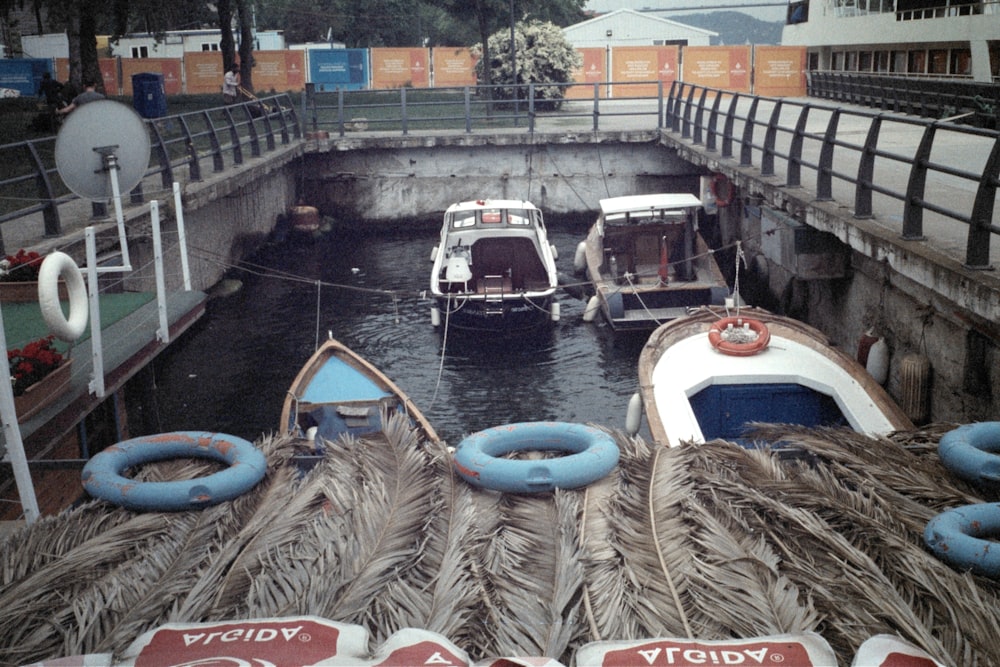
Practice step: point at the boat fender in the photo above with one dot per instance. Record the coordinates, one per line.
(737, 348)
(722, 189)
(633, 418)
(878, 361)
(556, 312)
(957, 538)
(868, 338)
(56, 265)
(592, 454)
(435, 317)
(102, 475)
(972, 452)
(593, 306)
(555, 251)
(434, 253)
(580, 258)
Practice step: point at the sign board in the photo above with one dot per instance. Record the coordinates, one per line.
(453, 66)
(779, 71)
(400, 68)
(644, 66)
(725, 67)
(332, 69)
(593, 70)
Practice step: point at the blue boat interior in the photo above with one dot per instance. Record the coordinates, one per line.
(723, 411)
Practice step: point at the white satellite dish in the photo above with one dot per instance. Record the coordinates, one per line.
(100, 140)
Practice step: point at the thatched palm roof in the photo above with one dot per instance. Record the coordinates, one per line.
(709, 541)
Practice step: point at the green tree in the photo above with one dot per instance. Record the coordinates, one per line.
(542, 55)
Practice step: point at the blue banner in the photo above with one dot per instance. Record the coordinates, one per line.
(332, 69)
(23, 74)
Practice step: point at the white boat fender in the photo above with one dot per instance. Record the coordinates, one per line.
(592, 454)
(102, 475)
(878, 361)
(868, 338)
(556, 311)
(972, 452)
(555, 251)
(434, 253)
(593, 305)
(54, 266)
(633, 418)
(435, 317)
(580, 258)
(964, 538)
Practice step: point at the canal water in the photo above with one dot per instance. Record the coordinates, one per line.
(231, 371)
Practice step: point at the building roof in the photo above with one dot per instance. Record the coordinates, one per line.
(625, 27)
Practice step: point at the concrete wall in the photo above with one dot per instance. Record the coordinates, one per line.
(394, 179)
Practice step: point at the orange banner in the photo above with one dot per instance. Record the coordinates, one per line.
(726, 67)
(170, 68)
(644, 65)
(592, 70)
(453, 67)
(398, 68)
(278, 71)
(779, 71)
(203, 73)
(109, 73)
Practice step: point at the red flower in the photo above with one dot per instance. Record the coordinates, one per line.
(32, 362)
(22, 267)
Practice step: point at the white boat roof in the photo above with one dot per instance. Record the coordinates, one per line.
(628, 203)
(490, 203)
(691, 364)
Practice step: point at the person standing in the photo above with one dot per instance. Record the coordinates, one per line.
(230, 84)
(88, 95)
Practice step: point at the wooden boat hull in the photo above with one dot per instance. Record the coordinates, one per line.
(691, 391)
(340, 393)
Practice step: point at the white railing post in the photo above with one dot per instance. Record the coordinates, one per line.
(15, 446)
(96, 384)
(163, 333)
(182, 237)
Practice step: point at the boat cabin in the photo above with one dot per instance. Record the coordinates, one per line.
(492, 250)
(649, 238)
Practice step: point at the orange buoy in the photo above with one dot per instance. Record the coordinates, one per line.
(739, 336)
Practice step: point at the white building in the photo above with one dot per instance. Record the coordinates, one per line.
(627, 27)
(178, 42)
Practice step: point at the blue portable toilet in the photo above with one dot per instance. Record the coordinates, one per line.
(148, 95)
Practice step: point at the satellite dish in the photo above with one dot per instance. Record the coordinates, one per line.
(95, 138)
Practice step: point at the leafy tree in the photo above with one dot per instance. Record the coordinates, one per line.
(542, 55)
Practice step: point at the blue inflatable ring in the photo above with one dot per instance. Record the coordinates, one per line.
(956, 536)
(972, 452)
(592, 455)
(102, 475)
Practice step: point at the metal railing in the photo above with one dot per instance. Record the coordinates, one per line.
(470, 108)
(217, 136)
(804, 135)
(928, 96)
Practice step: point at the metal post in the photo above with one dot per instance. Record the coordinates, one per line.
(96, 384)
(182, 237)
(15, 446)
(163, 333)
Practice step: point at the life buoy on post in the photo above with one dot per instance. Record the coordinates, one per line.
(721, 336)
(54, 266)
(592, 454)
(722, 189)
(102, 475)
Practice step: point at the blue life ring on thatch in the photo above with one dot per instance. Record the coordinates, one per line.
(102, 475)
(972, 452)
(956, 536)
(592, 455)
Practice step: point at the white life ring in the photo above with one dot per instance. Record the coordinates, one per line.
(54, 266)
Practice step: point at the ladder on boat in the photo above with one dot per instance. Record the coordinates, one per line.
(494, 288)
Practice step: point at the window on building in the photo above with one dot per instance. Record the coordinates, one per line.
(140, 51)
(210, 47)
(937, 61)
(882, 61)
(865, 61)
(917, 62)
(961, 62)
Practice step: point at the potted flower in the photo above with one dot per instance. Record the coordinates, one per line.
(38, 374)
(21, 268)
(19, 276)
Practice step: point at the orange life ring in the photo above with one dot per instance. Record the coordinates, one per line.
(735, 349)
(717, 179)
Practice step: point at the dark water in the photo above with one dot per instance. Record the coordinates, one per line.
(231, 371)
